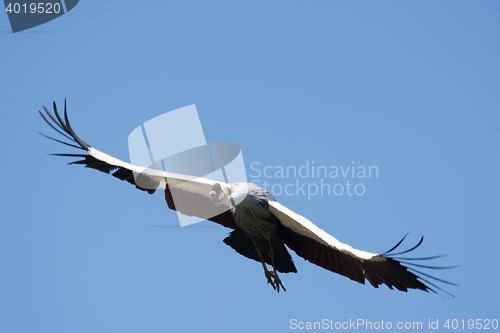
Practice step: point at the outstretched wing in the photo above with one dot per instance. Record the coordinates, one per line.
(324, 250)
(190, 193)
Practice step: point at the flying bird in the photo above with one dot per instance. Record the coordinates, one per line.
(261, 226)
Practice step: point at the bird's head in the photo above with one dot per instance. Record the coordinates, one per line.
(217, 194)
(228, 194)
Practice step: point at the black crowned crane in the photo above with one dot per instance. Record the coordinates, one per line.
(261, 226)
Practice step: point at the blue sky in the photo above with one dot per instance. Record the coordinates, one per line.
(409, 87)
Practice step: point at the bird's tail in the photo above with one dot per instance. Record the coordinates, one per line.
(239, 240)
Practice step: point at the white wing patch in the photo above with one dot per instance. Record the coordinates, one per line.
(303, 226)
(187, 183)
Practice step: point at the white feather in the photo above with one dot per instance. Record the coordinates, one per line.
(303, 226)
(188, 183)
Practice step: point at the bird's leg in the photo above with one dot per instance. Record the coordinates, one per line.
(269, 275)
(277, 279)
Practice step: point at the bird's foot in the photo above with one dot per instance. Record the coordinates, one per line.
(278, 282)
(270, 276)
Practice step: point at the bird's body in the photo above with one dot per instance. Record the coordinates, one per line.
(253, 217)
(252, 214)
(261, 226)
